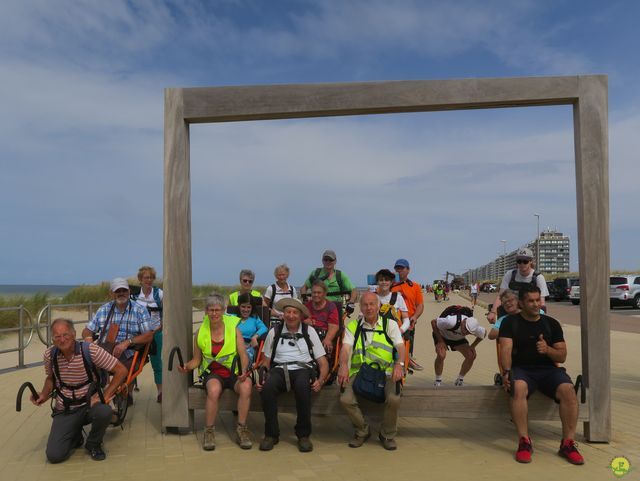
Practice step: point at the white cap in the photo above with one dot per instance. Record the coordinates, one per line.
(119, 283)
(474, 327)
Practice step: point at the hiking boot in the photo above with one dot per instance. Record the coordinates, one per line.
(268, 443)
(388, 443)
(569, 451)
(243, 436)
(209, 439)
(96, 453)
(438, 383)
(357, 441)
(304, 445)
(459, 382)
(523, 454)
(413, 364)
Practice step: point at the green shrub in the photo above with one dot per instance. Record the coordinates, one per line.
(32, 303)
(85, 293)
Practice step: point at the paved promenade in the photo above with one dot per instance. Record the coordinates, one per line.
(427, 448)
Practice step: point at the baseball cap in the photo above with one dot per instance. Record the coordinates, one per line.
(402, 263)
(119, 283)
(524, 253)
(330, 254)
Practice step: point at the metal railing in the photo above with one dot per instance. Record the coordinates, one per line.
(41, 328)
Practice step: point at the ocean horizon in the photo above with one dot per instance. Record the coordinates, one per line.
(56, 290)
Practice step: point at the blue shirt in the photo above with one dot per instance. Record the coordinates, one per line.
(135, 320)
(251, 327)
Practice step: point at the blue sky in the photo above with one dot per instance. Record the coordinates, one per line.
(82, 117)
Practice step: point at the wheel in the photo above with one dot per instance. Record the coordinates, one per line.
(636, 301)
(575, 302)
(120, 406)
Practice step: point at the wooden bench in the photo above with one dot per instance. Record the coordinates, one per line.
(470, 402)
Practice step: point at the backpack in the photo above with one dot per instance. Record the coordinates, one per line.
(457, 311)
(291, 293)
(316, 276)
(516, 286)
(389, 311)
(92, 377)
(278, 337)
(155, 292)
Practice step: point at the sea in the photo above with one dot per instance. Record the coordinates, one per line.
(55, 290)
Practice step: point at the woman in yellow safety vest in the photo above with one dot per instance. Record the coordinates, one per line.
(218, 347)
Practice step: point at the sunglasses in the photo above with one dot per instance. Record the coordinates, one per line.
(247, 281)
(327, 259)
(522, 261)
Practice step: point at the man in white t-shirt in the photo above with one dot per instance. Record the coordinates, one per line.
(289, 359)
(515, 279)
(450, 332)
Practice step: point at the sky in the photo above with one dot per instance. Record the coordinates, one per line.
(81, 135)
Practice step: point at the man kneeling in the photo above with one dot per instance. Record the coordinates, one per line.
(372, 344)
(530, 346)
(70, 367)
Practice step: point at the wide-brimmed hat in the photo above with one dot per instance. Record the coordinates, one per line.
(291, 302)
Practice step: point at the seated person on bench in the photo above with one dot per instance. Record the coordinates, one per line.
(531, 344)
(216, 347)
(292, 357)
(70, 367)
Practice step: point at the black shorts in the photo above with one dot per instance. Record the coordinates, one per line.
(545, 378)
(227, 382)
(450, 344)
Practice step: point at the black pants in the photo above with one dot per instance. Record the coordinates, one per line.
(273, 387)
(67, 429)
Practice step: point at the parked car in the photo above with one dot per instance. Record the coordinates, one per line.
(625, 290)
(574, 293)
(562, 287)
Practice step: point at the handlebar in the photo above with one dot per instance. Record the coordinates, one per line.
(174, 351)
(24, 386)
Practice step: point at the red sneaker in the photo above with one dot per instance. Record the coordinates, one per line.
(523, 454)
(569, 450)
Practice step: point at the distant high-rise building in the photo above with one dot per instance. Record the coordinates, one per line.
(554, 252)
(554, 258)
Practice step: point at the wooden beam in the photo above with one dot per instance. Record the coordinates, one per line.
(590, 117)
(177, 308)
(469, 402)
(262, 102)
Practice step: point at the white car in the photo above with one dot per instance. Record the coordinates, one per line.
(574, 293)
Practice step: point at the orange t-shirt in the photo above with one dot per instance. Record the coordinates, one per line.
(412, 295)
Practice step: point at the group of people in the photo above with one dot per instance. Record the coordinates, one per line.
(297, 353)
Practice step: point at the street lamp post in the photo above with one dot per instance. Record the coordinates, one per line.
(537, 216)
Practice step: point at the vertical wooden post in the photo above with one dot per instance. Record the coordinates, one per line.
(590, 116)
(177, 325)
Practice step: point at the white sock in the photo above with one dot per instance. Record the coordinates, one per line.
(439, 378)
(460, 377)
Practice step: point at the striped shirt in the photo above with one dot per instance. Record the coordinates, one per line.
(73, 372)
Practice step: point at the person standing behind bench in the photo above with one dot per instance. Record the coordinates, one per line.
(531, 346)
(373, 345)
(291, 352)
(338, 284)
